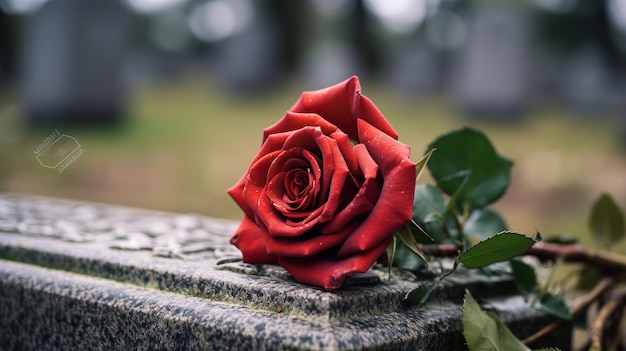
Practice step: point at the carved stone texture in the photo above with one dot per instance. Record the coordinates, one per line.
(79, 275)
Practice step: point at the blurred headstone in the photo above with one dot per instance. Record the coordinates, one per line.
(250, 60)
(332, 54)
(73, 64)
(414, 68)
(493, 67)
(8, 44)
(3, 45)
(590, 86)
(329, 63)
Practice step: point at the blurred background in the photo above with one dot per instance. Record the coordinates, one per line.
(162, 102)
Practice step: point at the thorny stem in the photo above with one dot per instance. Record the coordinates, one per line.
(443, 276)
(607, 320)
(609, 263)
(603, 260)
(579, 306)
(448, 273)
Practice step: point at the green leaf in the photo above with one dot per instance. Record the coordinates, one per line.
(421, 164)
(428, 203)
(436, 232)
(420, 235)
(428, 209)
(408, 239)
(484, 331)
(419, 295)
(554, 305)
(453, 201)
(407, 259)
(468, 152)
(391, 253)
(483, 223)
(607, 221)
(501, 247)
(524, 274)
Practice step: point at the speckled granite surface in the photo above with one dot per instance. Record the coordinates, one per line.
(89, 276)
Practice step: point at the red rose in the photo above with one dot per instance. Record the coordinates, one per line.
(327, 190)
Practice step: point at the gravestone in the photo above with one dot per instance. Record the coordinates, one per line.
(331, 54)
(589, 86)
(249, 61)
(492, 74)
(415, 68)
(87, 276)
(7, 38)
(330, 62)
(73, 63)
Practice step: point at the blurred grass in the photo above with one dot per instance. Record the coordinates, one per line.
(186, 142)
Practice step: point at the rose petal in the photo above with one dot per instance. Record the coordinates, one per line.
(366, 110)
(277, 224)
(300, 188)
(304, 138)
(249, 239)
(292, 159)
(329, 272)
(341, 105)
(394, 207)
(293, 121)
(365, 199)
(345, 146)
(298, 247)
(255, 184)
(259, 170)
(237, 191)
(289, 206)
(380, 146)
(333, 159)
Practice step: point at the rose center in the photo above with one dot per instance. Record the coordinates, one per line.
(294, 183)
(299, 184)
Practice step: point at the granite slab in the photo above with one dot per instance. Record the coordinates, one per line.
(76, 275)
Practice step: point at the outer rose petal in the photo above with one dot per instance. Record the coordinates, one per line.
(293, 121)
(394, 207)
(342, 104)
(364, 200)
(288, 247)
(236, 192)
(328, 272)
(249, 239)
